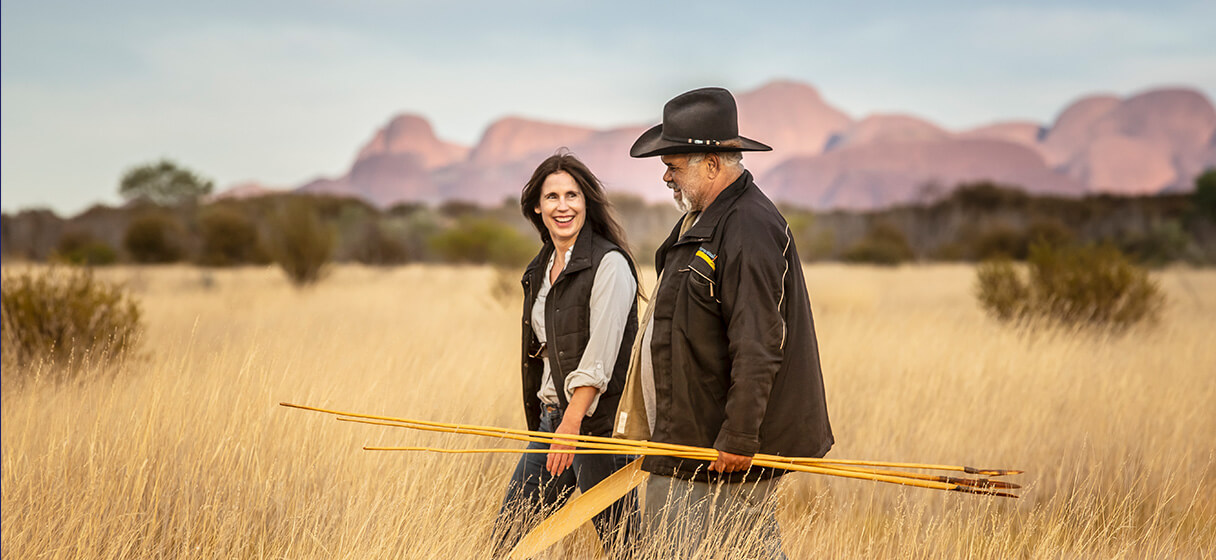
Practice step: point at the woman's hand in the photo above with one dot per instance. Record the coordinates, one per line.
(572, 423)
(559, 462)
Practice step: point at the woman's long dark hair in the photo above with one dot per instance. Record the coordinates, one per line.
(601, 217)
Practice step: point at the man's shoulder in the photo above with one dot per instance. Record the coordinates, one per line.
(753, 211)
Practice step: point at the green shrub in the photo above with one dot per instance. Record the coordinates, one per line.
(1205, 195)
(1073, 285)
(229, 238)
(301, 243)
(65, 316)
(482, 241)
(1050, 231)
(883, 244)
(1000, 240)
(1000, 290)
(377, 247)
(81, 248)
(154, 238)
(988, 197)
(1162, 244)
(1004, 240)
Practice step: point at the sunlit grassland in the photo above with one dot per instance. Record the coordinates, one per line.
(183, 451)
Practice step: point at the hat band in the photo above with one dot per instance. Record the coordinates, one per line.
(694, 141)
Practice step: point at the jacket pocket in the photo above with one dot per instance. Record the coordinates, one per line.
(701, 281)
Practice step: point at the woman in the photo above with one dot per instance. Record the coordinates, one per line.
(579, 322)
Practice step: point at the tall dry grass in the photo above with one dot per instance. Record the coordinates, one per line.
(186, 453)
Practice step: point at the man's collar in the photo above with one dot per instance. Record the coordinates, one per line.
(708, 221)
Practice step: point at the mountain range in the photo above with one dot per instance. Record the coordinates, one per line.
(1155, 141)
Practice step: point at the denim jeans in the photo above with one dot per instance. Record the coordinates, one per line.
(686, 519)
(533, 491)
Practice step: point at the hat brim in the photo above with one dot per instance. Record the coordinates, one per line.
(651, 143)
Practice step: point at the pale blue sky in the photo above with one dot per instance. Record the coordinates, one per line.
(281, 92)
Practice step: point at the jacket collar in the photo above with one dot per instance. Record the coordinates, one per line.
(580, 255)
(708, 222)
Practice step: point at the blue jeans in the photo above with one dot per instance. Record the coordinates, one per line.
(533, 492)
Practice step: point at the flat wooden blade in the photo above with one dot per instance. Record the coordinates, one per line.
(580, 510)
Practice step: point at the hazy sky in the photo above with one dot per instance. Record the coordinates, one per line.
(281, 92)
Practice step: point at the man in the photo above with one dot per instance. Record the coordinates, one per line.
(727, 357)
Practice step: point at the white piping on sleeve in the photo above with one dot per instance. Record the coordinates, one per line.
(784, 256)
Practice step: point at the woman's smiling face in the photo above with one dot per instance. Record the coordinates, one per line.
(562, 208)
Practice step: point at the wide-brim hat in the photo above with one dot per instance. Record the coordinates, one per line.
(701, 120)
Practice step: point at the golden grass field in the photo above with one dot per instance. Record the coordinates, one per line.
(183, 452)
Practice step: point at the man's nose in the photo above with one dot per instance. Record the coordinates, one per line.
(667, 176)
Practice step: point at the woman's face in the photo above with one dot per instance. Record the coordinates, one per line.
(562, 207)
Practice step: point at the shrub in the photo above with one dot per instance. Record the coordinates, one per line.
(163, 183)
(378, 247)
(883, 244)
(813, 242)
(988, 197)
(505, 288)
(1000, 290)
(482, 240)
(154, 238)
(1000, 240)
(1163, 243)
(1090, 285)
(81, 248)
(229, 238)
(301, 243)
(65, 316)
(1205, 195)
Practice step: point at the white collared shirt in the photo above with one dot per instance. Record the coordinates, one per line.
(612, 296)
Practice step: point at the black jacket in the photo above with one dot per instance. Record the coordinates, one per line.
(736, 362)
(567, 328)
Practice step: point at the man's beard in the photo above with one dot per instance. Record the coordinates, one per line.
(683, 204)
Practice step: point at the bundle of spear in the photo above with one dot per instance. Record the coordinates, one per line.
(580, 510)
(865, 470)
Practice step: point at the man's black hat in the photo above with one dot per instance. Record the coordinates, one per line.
(701, 120)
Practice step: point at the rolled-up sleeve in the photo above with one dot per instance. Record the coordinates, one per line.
(612, 297)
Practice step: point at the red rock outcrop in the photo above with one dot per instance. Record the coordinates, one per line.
(1025, 133)
(883, 129)
(1154, 141)
(1118, 164)
(1073, 129)
(881, 174)
(789, 116)
(412, 134)
(514, 138)
(248, 189)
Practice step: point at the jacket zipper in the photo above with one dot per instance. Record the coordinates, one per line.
(555, 355)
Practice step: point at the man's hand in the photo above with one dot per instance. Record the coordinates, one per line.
(729, 462)
(559, 462)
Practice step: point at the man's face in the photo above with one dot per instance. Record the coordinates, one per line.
(688, 181)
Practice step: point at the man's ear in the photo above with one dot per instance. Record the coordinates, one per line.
(713, 165)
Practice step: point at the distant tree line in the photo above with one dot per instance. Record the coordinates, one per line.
(165, 221)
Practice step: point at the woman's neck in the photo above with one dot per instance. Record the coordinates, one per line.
(561, 248)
